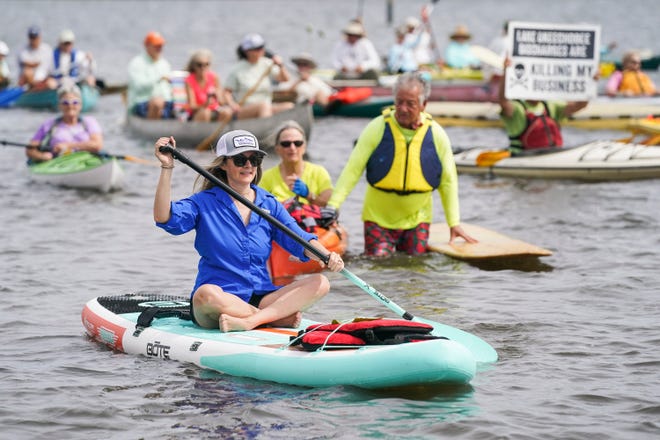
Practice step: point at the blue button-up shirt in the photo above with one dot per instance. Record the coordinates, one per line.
(234, 255)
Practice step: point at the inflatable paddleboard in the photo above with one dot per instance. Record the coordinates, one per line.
(127, 323)
(491, 244)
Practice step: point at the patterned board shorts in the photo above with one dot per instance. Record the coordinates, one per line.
(382, 242)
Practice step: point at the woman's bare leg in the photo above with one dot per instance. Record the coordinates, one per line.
(282, 307)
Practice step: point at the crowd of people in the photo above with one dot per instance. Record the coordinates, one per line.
(42, 67)
(403, 153)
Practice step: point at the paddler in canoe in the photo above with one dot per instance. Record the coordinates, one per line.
(233, 290)
(304, 188)
(407, 155)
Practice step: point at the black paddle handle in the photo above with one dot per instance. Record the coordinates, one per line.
(183, 158)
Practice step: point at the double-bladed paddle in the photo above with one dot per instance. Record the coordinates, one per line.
(99, 154)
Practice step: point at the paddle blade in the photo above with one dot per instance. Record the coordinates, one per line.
(490, 158)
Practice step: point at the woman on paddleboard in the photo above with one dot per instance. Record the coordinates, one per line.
(233, 290)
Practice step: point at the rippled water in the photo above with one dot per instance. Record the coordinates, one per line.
(576, 332)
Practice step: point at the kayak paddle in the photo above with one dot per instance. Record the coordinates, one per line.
(99, 154)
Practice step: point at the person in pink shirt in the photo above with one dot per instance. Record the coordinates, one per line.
(206, 99)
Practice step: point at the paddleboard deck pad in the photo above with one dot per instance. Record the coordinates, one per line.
(490, 244)
(125, 323)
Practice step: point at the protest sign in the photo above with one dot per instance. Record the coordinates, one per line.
(552, 61)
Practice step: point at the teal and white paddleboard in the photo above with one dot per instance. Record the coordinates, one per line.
(267, 354)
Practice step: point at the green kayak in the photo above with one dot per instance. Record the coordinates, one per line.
(81, 170)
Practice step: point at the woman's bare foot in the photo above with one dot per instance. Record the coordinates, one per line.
(230, 323)
(292, 321)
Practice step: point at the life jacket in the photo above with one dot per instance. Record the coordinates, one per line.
(396, 166)
(73, 72)
(636, 82)
(541, 131)
(361, 332)
(307, 216)
(44, 145)
(350, 95)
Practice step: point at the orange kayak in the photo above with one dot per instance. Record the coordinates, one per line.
(282, 269)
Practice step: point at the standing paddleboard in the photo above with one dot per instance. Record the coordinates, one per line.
(491, 244)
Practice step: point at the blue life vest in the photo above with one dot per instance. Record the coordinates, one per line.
(73, 72)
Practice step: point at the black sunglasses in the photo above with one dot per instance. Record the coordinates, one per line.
(240, 160)
(287, 144)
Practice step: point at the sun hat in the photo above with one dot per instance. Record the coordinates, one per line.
(154, 38)
(461, 31)
(236, 142)
(252, 41)
(67, 36)
(354, 28)
(34, 31)
(304, 58)
(412, 22)
(4, 49)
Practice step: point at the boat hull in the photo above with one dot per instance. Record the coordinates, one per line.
(266, 354)
(47, 99)
(596, 161)
(601, 113)
(189, 134)
(81, 170)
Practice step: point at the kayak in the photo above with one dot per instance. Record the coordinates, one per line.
(595, 161)
(367, 108)
(335, 239)
(81, 170)
(601, 113)
(47, 99)
(190, 133)
(9, 96)
(267, 353)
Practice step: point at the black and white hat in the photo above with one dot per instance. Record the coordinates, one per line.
(237, 142)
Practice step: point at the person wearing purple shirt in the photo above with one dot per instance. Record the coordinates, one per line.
(233, 290)
(68, 132)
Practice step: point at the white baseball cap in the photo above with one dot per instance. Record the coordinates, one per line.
(4, 49)
(236, 142)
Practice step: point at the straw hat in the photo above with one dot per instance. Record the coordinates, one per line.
(305, 59)
(354, 28)
(461, 31)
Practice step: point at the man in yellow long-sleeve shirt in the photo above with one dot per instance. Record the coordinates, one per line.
(406, 155)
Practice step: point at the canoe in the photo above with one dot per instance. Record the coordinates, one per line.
(47, 99)
(335, 239)
(266, 353)
(601, 113)
(595, 161)
(9, 96)
(189, 134)
(80, 170)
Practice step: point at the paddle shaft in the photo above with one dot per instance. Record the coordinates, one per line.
(99, 154)
(206, 142)
(275, 222)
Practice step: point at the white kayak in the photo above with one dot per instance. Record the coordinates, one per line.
(595, 161)
(80, 170)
